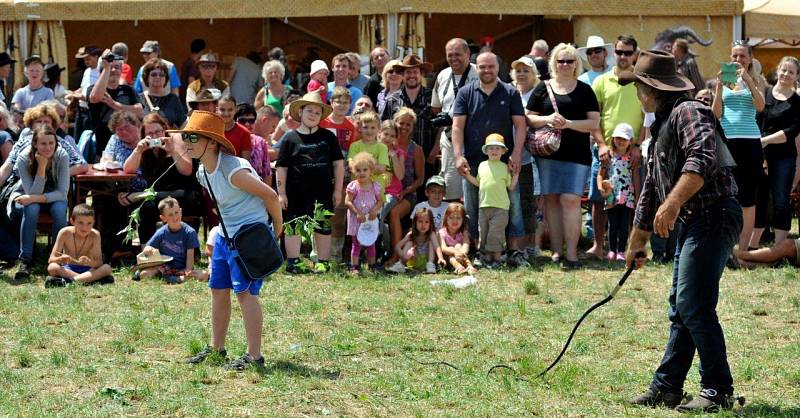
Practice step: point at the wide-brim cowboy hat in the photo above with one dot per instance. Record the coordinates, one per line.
(207, 58)
(412, 61)
(208, 124)
(657, 69)
(594, 41)
(144, 261)
(6, 59)
(312, 98)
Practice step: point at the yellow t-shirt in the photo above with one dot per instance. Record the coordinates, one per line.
(379, 151)
(494, 179)
(618, 104)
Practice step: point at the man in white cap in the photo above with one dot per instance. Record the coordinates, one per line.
(599, 55)
(149, 50)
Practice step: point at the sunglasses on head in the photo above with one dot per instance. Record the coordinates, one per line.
(565, 61)
(190, 137)
(246, 120)
(625, 53)
(593, 51)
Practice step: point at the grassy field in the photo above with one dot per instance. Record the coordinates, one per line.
(344, 346)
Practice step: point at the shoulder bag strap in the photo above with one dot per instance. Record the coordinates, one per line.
(552, 96)
(147, 99)
(219, 212)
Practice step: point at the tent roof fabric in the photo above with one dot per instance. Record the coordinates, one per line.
(230, 9)
(772, 19)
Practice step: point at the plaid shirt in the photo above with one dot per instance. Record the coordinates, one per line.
(423, 130)
(688, 141)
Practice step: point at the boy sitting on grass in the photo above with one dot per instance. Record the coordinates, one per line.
(76, 255)
(175, 239)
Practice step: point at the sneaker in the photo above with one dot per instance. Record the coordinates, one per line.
(321, 267)
(518, 259)
(172, 279)
(104, 280)
(709, 401)
(54, 281)
(478, 261)
(492, 265)
(245, 361)
(654, 397)
(137, 275)
(397, 267)
(620, 257)
(206, 353)
(23, 271)
(430, 267)
(571, 265)
(294, 266)
(611, 256)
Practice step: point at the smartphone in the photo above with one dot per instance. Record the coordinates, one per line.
(728, 72)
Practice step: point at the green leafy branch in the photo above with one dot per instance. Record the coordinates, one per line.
(147, 195)
(305, 225)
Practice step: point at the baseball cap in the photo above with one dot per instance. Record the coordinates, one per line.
(435, 180)
(623, 130)
(150, 46)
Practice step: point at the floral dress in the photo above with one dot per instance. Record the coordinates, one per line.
(621, 176)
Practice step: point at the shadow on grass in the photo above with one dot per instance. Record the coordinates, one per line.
(296, 369)
(766, 410)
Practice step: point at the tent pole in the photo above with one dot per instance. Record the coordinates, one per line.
(738, 28)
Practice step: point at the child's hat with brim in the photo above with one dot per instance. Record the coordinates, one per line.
(312, 98)
(494, 140)
(210, 125)
(144, 261)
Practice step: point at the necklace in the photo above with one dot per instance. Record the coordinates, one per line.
(78, 251)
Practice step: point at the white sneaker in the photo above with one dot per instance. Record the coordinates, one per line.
(430, 267)
(397, 267)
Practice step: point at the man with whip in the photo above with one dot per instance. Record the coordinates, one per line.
(689, 180)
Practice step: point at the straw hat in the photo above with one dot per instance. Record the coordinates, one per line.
(412, 61)
(144, 261)
(656, 69)
(312, 98)
(496, 140)
(209, 125)
(207, 95)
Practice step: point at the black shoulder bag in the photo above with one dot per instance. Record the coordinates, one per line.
(254, 246)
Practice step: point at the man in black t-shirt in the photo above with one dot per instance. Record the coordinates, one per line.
(108, 96)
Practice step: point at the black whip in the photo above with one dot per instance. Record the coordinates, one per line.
(593, 307)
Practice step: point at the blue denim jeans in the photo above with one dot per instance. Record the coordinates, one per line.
(9, 247)
(30, 217)
(703, 247)
(779, 183)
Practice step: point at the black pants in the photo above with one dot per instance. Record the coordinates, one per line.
(619, 218)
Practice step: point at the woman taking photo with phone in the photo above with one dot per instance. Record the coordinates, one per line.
(735, 105)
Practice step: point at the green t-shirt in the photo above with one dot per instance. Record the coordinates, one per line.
(378, 150)
(494, 179)
(618, 104)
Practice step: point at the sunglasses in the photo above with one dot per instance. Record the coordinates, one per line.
(208, 66)
(156, 74)
(624, 53)
(190, 137)
(247, 121)
(565, 61)
(593, 51)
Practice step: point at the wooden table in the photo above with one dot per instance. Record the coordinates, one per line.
(100, 183)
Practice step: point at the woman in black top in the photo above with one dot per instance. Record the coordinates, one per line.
(157, 96)
(563, 174)
(780, 126)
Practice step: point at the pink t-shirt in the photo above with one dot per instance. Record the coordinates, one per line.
(395, 185)
(259, 155)
(451, 241)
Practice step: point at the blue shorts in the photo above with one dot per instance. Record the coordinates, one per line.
(77, 268)
(225, 273)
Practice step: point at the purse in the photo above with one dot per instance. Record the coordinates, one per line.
(254, 246)
(546, 140)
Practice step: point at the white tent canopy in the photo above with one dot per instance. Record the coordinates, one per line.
(772, 19)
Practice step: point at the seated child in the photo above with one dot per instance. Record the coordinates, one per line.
(175, 239)
(434, 191)
(76, 255)
(494, 180)
(420, 246)
(454, 238)
(363, 199)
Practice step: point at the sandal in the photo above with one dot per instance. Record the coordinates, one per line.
(461, 270)
(245, 361)
(471, 270)
(206, 353)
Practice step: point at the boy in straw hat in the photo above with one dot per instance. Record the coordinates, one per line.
(689, 180)
(310, 170)
(494, 181)
(242, 199)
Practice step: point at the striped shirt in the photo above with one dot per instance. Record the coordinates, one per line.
(738, 114)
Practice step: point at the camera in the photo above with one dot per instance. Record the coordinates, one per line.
(442, 120)
(155, 142)
(111, 57)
